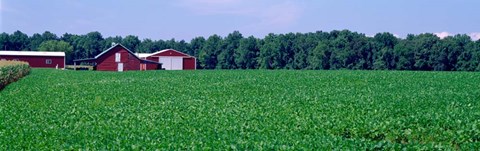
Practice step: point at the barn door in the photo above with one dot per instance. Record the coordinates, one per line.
(177, 63)
(120, 67)
(171, 63)
(166, 62)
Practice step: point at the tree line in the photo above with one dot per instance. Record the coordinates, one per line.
(315, 50)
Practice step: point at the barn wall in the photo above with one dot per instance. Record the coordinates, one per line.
(133, 63)
(152, 66)
(38, 61)
(106, 62)
(188, 63)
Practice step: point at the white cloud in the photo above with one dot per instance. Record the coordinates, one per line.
(442, 35)
(281, 13)
(475, 36)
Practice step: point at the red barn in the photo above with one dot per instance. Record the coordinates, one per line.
(172, 60)
(36, 59)
(119, 58)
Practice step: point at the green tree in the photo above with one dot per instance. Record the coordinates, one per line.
(131, 42)
(146, 46)
(170, 44)
(319, 50)
(58, 46)
(423, 47)
(18, 41)
(89, 45)
(405, 53)
(319, 57)
(246, 54)
(383, 55)
(35, 41)
(300, 58)
(55, 45)
(385, 40)
(196, 45)
(4, 41)
(462, 43)
(74, 41)
(226, 58)
(46, 36)
(341, 53)
(270, 56)
(384, 59)
(287, 50)
(469, 60)
(303, 44)
(107, 42)
(181, 46)
(70, 38)
(351, 51)
(208, 54)
(160, 45)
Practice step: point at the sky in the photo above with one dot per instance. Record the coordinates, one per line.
(186, 19)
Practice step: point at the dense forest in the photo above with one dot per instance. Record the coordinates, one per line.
(317, 50)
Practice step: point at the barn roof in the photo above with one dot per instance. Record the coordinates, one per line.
(143, 55)
(165, 50)
(111, 48)
(104, 52)
(32, 53)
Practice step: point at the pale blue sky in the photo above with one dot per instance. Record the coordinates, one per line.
(185, 19)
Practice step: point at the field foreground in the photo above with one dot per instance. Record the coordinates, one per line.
(253, 109)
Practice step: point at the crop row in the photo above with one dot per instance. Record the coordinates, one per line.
(11, 71)
(244, 110)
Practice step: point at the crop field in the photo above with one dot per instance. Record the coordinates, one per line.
(241, 110)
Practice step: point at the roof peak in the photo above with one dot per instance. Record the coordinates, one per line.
(172, 50)
(113, 46)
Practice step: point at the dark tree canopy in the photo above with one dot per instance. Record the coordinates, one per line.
(208, 56)
(246, 55)
(226, 58)
(59, 46)
(338, 49)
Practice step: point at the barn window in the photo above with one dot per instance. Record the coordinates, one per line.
(117, 57)
(48, 61)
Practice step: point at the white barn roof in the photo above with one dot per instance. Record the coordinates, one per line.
(161, 51)
(143, 55)
(32, 53)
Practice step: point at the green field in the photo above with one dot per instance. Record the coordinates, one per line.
(252, 109)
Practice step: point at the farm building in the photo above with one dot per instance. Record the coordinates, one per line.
(119, 58)
(171, 60)
(36, 59)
